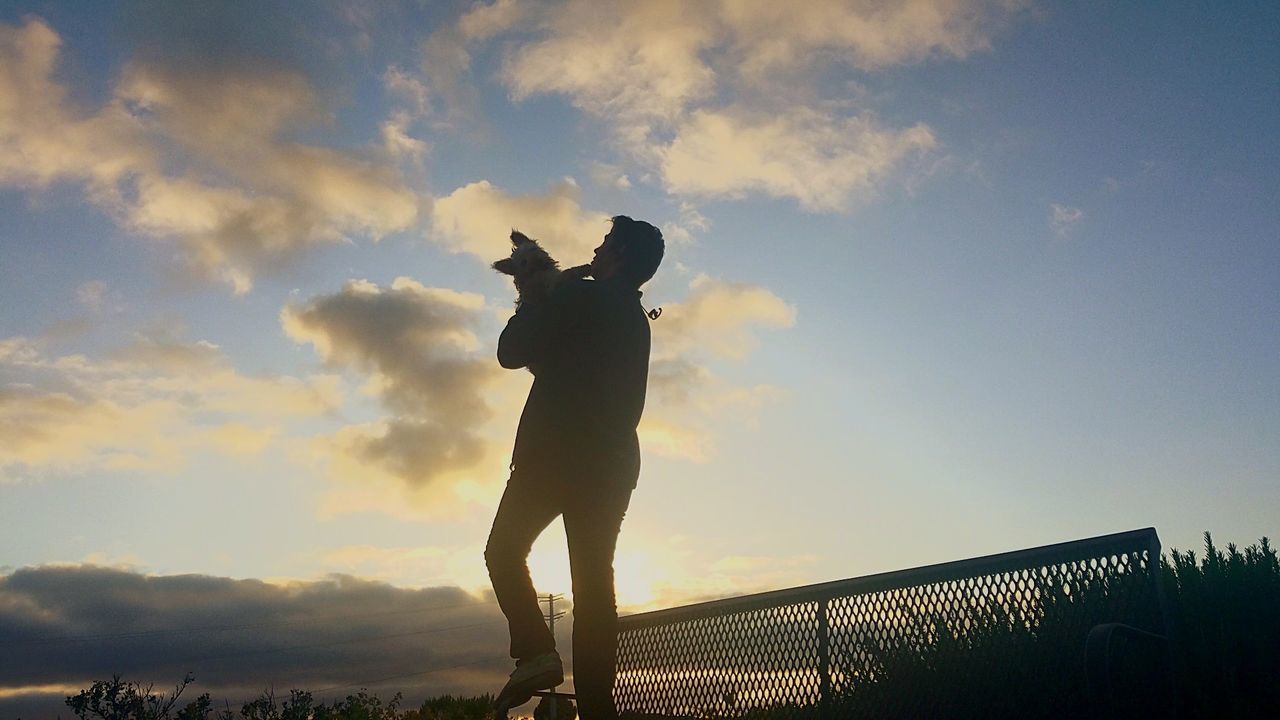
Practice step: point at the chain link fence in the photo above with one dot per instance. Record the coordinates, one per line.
(997, 636)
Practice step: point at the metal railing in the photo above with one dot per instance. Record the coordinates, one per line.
(1001, 635)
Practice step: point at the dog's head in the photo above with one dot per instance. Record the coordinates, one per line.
(527, 258)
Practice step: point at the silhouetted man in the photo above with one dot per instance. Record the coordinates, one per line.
(577, 455)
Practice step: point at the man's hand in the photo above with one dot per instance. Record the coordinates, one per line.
(579, 272)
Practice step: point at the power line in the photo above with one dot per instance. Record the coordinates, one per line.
(244, 626)
(347, 641)
(552, 616)
(431, 671)
(367, 683)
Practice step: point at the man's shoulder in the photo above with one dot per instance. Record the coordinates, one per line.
(597, 297)
(575, 285)
(572, 291)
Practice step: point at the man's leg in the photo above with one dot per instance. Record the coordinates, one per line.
(592, 521)
(524, 512)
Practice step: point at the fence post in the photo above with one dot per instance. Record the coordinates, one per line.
(824, 655)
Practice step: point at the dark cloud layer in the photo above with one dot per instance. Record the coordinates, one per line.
(71, 625)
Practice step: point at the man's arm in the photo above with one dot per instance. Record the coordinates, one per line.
(524, 340)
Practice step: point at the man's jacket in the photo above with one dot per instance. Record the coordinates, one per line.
(588, 348)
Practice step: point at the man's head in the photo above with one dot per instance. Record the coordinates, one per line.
(631, 252)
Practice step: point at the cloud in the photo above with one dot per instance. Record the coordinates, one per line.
(196, 154)
(410, 91)
(822, 162)
(769, 37)
(654, 60)
(282, 196)
(97, 297)
(695, 570)
(160, 350)
(409, 566)
(674, 439)
(42, 140)
(448, 89)
(724, 99)
(672, 379)
(413, 103)
(685, 415)
(484, 21)
(1064, 217)
(149, 405)
(609, 176)
(686, 398)
(417, 344)
(478, 218)
(238, 637)
(397, 141)
(629, 61)
(718, 318)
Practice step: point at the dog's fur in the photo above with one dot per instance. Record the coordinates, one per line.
(533, 269)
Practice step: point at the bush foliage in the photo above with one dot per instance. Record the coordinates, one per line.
(117, 700)
(1226, 611)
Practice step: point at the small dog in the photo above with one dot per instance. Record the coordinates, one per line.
(533, 269)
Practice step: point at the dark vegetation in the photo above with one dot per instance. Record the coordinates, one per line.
(115, 699)
(1226, 607)
(1226, 613)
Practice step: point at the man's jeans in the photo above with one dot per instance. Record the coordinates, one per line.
(593, 513)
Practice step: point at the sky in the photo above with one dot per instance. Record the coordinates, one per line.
(943, 278)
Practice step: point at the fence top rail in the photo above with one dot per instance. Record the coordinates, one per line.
(1103, 545)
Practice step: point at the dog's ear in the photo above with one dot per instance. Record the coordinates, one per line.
(518, 238)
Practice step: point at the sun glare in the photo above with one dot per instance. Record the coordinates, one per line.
(634, 572)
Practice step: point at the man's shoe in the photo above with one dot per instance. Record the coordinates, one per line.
(540, 672)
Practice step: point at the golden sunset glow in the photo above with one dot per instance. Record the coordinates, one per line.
(942, 278)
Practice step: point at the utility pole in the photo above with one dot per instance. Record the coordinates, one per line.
(552, 706)
(551, 616)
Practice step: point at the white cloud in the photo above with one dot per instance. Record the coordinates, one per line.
(718, 318)
(413, 103)
(656, 68)
(97, 297)
(413, 567)
(42, 140)
(609, 176)
(633, 62)
(688, 403)
(776, 37)
(653, 60)
(1063, 217)
(478, 218)
(483, 21)
(408, 90)
(397, 141)
(232, 190)
(674, 438)
(148, 406)
(824, 163)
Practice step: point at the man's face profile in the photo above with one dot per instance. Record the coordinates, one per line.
(608, 258)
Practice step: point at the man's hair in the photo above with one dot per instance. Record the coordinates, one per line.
(641, 246)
